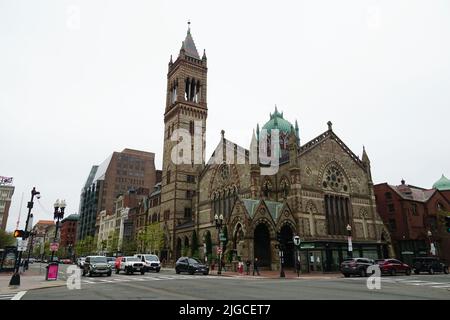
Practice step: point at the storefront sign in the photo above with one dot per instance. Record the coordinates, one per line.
(407, 252)
(307, 246)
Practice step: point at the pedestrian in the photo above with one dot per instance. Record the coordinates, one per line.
(25, 265)
(256, 266)
(247, 264)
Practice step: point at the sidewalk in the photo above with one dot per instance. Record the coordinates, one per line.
(28, 281)
(289, 274)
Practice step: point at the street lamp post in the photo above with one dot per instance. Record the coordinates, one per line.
(432, 247)
(350, 246)
(60, 206)
(219, 223)
(15, 279)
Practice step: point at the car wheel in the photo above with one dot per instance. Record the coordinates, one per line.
(431, 271)
(191, 272)
(157, 270)
(347, 275)
(109, 274)
(416, 271)
(393, 272)
(205, 273)
(90, 274)
(84, 273)
(446, 270)
(363, 273)
(408, 272)
(142, 272)
(177, 271)
(117, 271)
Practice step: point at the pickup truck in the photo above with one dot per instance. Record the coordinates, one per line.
(129, 265)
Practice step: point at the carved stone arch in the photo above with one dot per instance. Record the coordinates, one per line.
(289, 222)
(285, 186)
(267, 222)
(267, 187)
(364, 215)
(339, 166)
(311, 208)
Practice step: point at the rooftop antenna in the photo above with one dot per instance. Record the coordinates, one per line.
(20, 211)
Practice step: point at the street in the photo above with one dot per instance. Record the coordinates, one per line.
(167, 285)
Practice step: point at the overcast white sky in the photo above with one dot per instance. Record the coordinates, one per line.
(72, 93)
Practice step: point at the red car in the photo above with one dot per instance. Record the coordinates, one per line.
(393, 266)
(117, 263)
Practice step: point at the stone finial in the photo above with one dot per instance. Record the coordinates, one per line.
(222, 133)
(330, 126)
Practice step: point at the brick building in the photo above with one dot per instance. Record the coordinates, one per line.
(120, 172)
(411, 213)
(68, 233)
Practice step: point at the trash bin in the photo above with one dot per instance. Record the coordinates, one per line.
(52, 271)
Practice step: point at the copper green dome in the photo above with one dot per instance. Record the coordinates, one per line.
(442, 184)
(278, 122)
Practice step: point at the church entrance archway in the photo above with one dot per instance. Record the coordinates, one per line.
(287, 235)
(262, 245)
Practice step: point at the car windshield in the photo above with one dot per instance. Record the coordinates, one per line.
(193, 261)
(110, 259)
(151, 258)
(98, 260)
(380, 261)
(133, 259)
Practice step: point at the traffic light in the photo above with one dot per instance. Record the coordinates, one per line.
(447, 223)
(21, 234)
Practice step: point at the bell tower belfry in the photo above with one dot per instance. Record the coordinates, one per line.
(185, 112)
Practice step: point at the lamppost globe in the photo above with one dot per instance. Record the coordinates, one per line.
(429, 233)
(216, 217)
(56, 205)
(349, 227)
(221, 217)
(62, 204)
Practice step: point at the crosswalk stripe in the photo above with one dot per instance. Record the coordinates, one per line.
(426, 283)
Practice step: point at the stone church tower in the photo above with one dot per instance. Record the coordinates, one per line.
(185, 112)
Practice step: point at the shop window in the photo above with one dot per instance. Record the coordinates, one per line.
(391, 208)
(392, 225)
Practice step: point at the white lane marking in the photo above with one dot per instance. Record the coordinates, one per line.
(442, 285)
(19, 295)
(426, 283)
(87, 281)
(107, 281)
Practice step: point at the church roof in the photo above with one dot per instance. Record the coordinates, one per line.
(278, 122)
(273, 207)
(189, 46)
(442, 184)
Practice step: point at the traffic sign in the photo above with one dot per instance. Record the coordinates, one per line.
(297, 240)
(54, 246)
(222, 237)
(22, 245)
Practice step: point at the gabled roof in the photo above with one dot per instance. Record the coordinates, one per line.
(274, 207)
(324, 137)
(409, 192)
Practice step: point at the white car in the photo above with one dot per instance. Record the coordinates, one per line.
(151, 261)
(130, 265)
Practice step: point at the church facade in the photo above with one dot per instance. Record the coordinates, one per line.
(321, 191)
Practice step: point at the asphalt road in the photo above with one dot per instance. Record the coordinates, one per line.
(169, 286)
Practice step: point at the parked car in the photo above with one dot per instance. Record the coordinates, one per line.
(150, 261)
(191, 266)
(111, 261)
(393, 266)
(429, 264)
(96, 265)
(31, 260)
(356, 266)
(80, 262)
(129, 265)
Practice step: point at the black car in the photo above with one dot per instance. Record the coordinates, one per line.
(191, 266)
(96, 265)
(357, 266)
(429, 264)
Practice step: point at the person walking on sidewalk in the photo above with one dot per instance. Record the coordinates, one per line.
(248, 263)
(256, 266)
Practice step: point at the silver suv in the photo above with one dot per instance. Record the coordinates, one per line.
(151, 261)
